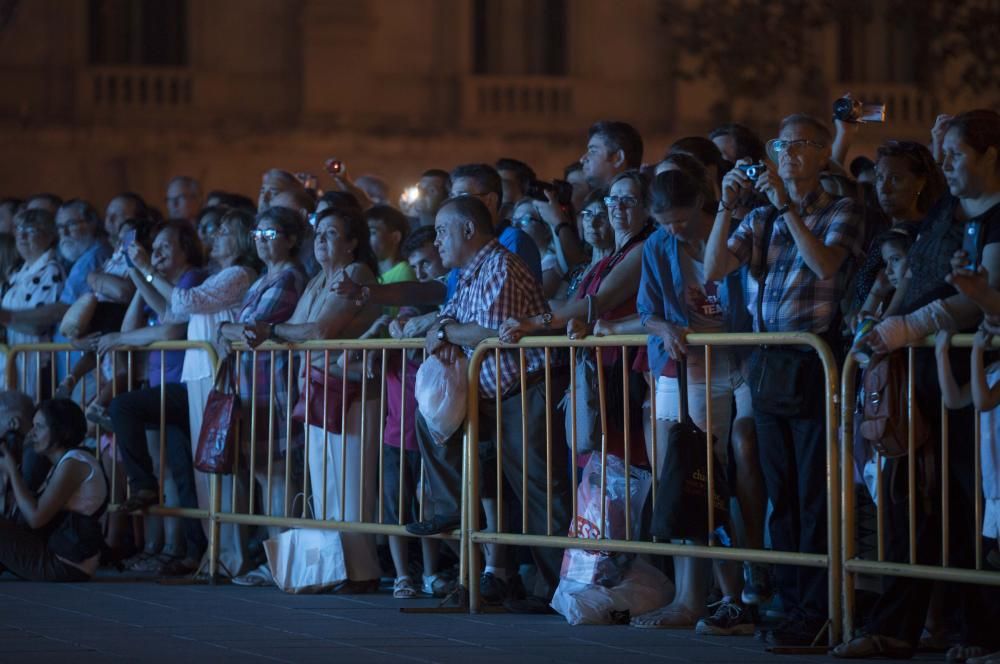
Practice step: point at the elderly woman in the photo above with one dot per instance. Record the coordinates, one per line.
(62, 540)
(269, 301)
(604, 302)
(341, 248)
(206, 305)
(30, 307)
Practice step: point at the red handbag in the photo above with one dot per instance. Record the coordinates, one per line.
(216, 451)
(334, 402)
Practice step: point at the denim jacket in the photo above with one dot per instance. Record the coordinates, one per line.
(661, 294)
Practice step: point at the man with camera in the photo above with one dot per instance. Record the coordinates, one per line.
(16, 410)
(798, 247)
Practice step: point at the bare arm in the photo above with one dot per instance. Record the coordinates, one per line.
(114, 288)
(952, 395)
(983, 396)
(39, 511)
(34, 321)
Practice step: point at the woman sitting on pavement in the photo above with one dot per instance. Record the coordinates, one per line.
(73, 497)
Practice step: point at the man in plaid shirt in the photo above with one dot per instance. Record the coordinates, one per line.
(494, 285)
(814, 241)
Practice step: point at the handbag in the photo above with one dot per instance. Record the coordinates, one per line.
(680, 510)
(334, 402)
(587, 412)
(782, 379)
(885, 422)
(216, 450)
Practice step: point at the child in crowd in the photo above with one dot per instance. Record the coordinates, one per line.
(983, 391)
(893, 245)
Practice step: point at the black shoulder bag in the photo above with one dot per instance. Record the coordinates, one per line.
(783, 379)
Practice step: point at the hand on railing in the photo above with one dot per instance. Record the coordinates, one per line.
(106, 343)
(512, 329)
(257, 333)
(576, 329)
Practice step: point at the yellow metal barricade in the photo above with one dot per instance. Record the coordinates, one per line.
(852, 563)
(353, 372)
(40, 368)
(554, 451)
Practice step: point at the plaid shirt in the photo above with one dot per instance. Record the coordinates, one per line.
(795, 299)
(271, 299)
(494, 286)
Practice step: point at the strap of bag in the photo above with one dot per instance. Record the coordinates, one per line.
(762, 267)
(682, 388)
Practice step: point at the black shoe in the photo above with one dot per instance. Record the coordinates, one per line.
(435, 525)
(797, 630)
(729, 619)
(492, 589)
(532, 604)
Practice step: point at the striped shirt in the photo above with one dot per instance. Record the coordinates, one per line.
(494, 286)
(795, 299)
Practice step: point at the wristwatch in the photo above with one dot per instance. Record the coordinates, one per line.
(441, 334)
(547, 320)
(148, 277)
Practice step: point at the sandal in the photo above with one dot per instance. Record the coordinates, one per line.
(139, 501)
(874, 645)
(404, 588)
(672, 616)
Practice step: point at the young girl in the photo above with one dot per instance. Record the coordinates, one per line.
(893, 245)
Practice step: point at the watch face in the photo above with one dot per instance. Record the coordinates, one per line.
(441, 334)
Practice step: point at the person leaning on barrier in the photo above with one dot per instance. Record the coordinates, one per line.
(494, 285)
(30, 307)
(675, 299)
(57, 536)
(971, 166)
(341, 247)
(176, 261)
(814, 238)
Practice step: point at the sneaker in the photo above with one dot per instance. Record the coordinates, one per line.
(404, 588)
(757, 589)
(492, 589)
(729, 619)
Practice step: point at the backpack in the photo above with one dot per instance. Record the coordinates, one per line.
(884, 416)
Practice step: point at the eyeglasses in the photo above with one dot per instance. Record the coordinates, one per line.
(587, 215)
(64, 228)
(778, 145)
(265, 234)
(526, 220)
(626, 202)
(30, 231)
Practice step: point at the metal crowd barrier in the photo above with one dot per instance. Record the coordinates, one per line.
(554, 450)
(40, 369)
(256, 477)
(853, 565)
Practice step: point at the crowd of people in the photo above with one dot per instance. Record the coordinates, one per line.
(726, 233)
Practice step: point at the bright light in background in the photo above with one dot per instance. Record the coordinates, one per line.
(410, 195)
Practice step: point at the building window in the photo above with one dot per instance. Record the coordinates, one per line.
(519, 37)
(144, 33)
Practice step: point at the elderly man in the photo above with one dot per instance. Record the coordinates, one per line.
(81, 245)
(183, 198)
(494, 285)
(808, 239)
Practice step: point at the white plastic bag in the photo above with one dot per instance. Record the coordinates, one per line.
(441, 391)
(306, 560)
(642, 589)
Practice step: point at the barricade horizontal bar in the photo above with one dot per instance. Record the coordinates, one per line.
(338, 344)
(179, 512)
(344, 526)
(931, 572)
(655, 548)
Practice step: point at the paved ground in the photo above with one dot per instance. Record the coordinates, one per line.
(130, 620)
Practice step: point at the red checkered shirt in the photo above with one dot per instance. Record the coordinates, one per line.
(494, 286)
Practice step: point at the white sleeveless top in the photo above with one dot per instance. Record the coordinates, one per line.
(93, 491)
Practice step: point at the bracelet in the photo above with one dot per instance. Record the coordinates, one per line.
(723, 206)
(782, 210)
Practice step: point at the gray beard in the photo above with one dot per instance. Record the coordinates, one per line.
(71, 250)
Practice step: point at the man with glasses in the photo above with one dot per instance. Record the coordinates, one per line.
(811, 239)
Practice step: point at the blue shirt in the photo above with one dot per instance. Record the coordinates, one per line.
(661, 294)
(516, 241)
(91, 261)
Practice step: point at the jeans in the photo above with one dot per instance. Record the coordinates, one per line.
(132, 414)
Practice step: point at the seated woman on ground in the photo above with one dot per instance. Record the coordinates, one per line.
(73, 498)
